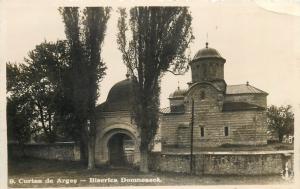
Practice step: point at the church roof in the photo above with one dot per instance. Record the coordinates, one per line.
(243, 89)
(227, 107)
(172, 110)
(207, 52)
(179, 93)
(120, 90)
(119, 97)
(166, 110)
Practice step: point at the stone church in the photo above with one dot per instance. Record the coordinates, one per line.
(223, 114)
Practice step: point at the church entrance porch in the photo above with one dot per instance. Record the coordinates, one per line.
(121, 150)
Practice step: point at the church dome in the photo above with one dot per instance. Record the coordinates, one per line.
(119, 96)
(179, 93)
(207, 52)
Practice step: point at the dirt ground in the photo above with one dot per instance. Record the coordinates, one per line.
(29, 172)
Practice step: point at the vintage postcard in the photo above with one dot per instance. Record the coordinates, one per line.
(150, 93)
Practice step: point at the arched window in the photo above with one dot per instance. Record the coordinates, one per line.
(226, 131)
(202, 131)
(202, 95)
(204, 70)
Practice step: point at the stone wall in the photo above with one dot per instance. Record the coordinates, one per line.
(55, 151)
(170, 129)
(244, 163)
(207, 69)
(244, 128)
(169, 162)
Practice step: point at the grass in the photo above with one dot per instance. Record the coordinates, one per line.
(30, 168)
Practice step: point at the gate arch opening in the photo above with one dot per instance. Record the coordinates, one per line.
(102, 146)
(121, 150)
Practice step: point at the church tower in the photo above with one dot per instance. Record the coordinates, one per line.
(208, 66)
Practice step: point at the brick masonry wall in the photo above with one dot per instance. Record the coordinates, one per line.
(245, 127)
(56, 151)
(222, 164)
(207, 70)
(169, 128)
(176, 101)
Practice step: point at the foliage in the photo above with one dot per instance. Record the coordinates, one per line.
(78, 70)
(36, 85)
(20, 111)
(281, 120)
(158, 43)
(94, 27)
(19, 119)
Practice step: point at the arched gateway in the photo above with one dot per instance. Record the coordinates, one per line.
(118, 145)
(117, 137)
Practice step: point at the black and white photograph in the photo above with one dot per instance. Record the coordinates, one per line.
(149, 93)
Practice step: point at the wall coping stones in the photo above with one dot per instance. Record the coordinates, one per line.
(46, 144)
(285, 152)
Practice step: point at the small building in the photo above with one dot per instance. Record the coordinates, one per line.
(223, 114)
(117, 136)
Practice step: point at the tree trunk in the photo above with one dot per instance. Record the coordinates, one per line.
(91, 152)
(91, 133)
(43, 122)
(83, 147)
(22, 146)
(280, 137)
(144, 160)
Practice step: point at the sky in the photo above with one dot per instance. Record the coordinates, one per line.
(259, 40)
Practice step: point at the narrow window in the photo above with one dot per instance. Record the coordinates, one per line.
(226, 131)
(202, 131)
(204, 70)
(202, 95)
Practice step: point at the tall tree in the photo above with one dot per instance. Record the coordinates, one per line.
(78, 79)
(94, 26)
(159, 39)
(86, 38)
(281, 120)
